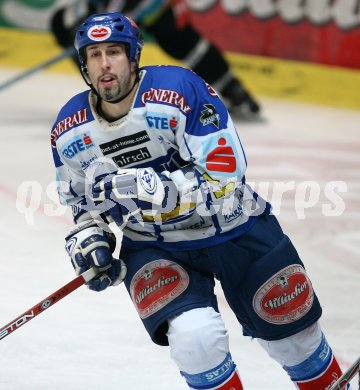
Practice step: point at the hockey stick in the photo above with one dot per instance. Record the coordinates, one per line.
(62, 56)
(347, 376)
(47, 302)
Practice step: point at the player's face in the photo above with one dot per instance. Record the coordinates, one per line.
(109, 68)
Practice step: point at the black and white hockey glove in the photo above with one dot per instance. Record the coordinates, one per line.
(135, 193)
(90, 246)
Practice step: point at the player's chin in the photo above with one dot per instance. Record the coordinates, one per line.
(109, 94)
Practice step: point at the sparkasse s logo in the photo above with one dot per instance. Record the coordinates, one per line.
(221, 158)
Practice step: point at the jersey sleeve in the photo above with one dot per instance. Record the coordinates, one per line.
(71, 181)
(210, 140)
(71, 189)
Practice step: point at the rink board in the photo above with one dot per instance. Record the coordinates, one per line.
(264, 76)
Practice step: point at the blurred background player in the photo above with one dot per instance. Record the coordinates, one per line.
(167, 22)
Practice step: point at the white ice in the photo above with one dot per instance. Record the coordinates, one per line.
(95, 341)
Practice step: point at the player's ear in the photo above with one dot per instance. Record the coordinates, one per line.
(133, 66)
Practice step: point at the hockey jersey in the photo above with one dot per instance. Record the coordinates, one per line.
(176, 121)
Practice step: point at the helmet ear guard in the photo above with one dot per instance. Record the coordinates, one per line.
(84, 70)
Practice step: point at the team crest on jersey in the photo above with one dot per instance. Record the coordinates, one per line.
(210, 116)
(285, 297)
(156, 284)
(147, 180)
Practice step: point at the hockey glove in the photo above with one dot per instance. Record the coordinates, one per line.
(90, 246)
(135, 192)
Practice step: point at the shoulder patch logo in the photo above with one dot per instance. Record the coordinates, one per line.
(210, 116)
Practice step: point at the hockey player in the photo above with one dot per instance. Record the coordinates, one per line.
(155, 151)
(175, 36)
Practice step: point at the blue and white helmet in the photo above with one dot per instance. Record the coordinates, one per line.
(108, 27)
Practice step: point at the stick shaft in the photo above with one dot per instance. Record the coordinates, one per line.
(47, 302)
(347, 376)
